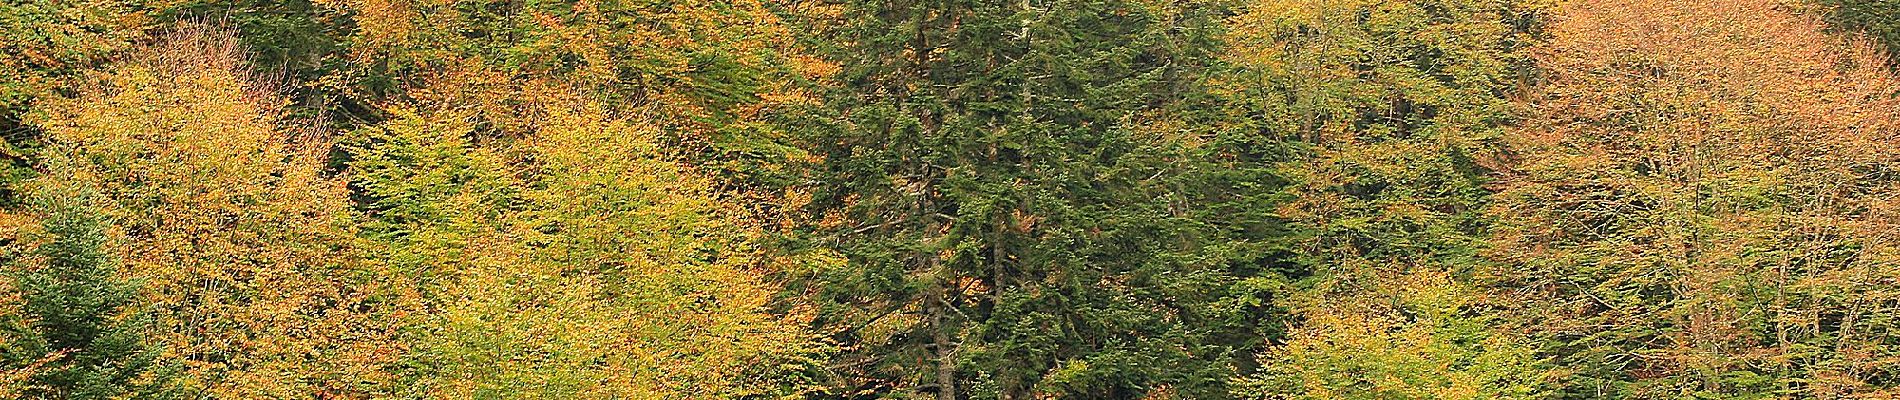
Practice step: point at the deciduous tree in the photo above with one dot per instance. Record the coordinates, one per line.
(219, 203)
(1701, 204)
(578, 262)
(1358, 134)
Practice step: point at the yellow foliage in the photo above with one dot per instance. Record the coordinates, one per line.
(1385, 108)
(692, 62)
(244, 247)
(1402, 336)
(46, 43)
(596, 268)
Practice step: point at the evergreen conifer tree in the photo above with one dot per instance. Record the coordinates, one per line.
(1008, 180)
(77, 314)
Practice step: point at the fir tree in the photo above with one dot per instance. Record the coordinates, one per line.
(1007, 180)
(78, 312)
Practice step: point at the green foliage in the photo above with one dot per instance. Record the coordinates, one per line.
(43, 42)
(1879, 20)
(1006, 182)
(709, 72)
(1374, 118)
(78, 312)
(1360, 128)
(952, 199)
(301, 41)
(45, 45)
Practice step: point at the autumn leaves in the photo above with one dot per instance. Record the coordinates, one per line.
(1701, 206)
(1687, 198)
(574, 260)
(1445, 199)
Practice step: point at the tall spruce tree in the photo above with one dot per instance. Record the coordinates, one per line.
(1008, 180)
(76, 329)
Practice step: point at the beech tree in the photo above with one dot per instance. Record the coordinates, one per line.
(48, 42)
(1700, 205)
(954, 199)
(572, 184)
(251, 270)
(576, 263)
(1363, 130)
(709, 76)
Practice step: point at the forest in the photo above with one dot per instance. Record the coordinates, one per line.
(950, 199)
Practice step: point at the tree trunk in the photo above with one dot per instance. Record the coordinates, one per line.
(946, 353)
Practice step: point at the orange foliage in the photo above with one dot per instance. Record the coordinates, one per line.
(1704, 194)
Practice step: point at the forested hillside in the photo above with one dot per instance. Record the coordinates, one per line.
(950, 200)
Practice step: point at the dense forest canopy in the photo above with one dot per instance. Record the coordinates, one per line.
(950, 199)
